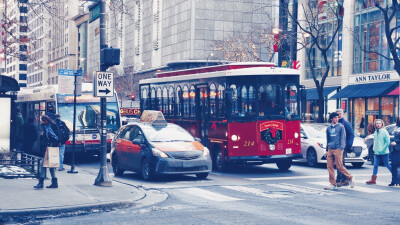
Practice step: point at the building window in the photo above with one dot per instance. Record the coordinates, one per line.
(369, 39)
(23, 9)
(23, 67)
(22, 76)
(22, 85)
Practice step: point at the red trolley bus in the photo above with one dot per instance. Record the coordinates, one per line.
(243, 112)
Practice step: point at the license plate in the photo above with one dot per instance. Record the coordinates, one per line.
(351, 154)
(187, 164)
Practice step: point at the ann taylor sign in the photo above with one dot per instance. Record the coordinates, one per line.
(104, 84)
(373, 78)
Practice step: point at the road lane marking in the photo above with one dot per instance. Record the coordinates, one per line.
(303, 189)
(255, 191)
(356, 188)
(307, 177)
(209, 195)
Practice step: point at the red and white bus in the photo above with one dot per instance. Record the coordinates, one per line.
(35, 102)
(244, 112)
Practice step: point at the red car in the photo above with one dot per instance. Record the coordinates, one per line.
(153, 148)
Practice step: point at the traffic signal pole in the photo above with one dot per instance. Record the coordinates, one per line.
(103, 178)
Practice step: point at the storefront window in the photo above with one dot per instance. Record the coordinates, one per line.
(372, 110)
(359, 116)
(387, 106)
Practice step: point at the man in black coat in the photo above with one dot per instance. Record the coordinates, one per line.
(341, 180)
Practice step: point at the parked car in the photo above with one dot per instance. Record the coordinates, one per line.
(313, 146)
(369, 141)
(155, 147)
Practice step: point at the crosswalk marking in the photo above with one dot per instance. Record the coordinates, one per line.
(306, 177)
(356, 188)
(256, 191)
(303, 189)
(209, 195)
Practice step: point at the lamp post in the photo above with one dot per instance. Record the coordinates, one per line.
(103, 179)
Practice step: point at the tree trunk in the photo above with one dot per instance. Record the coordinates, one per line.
(321, 105)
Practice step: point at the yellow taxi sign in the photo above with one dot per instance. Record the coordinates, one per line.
(154, 117)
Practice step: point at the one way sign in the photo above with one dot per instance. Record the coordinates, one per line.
(104, 84)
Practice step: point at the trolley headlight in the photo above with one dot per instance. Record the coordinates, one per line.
(272, 147)
(234, 137)
(206, 152)
(296, 135)
(159, 153)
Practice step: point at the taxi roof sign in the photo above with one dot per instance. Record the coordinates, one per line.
(154, 117)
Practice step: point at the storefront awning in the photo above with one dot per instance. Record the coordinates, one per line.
(367, 90)
(396, 91)
(312, 94)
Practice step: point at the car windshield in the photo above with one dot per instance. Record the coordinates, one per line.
(166, 134)
(316, 131)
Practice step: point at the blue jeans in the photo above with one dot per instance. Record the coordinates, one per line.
(62, 151)
(385, 159)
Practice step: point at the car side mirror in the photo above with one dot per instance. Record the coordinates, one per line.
(138, 141)
(303, 136)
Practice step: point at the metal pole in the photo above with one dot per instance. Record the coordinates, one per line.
(103, 179)
(73, 129)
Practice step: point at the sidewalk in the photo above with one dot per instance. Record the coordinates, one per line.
(76, 194)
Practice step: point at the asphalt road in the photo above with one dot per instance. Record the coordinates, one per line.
(255, 195)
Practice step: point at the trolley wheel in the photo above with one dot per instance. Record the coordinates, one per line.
(284, 165)
(219, 162)
(116, 167)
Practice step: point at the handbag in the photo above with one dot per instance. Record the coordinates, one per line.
(52, 157)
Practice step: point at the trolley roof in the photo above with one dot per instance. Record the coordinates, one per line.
(250, 71)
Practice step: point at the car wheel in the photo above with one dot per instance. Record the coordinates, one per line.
(357, 164)
(116, 167)
(284, 165)
(312, 158)
(201, 176)
(220, 163)
(147, 170)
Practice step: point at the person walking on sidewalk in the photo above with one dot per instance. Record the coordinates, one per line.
(381, 149)
(19, 123)
(336, 142)
(49, 138)
(396, 156)
(341, 179)
(64, 137)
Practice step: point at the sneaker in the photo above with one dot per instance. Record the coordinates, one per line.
(343, 183)
(331, 187)
(61, 169)
(352, 182)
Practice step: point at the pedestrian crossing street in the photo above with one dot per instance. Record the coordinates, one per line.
(231, 193)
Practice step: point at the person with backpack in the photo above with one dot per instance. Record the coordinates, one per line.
(64, 137)
(49, 138)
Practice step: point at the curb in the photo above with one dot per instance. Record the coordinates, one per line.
(57, 212)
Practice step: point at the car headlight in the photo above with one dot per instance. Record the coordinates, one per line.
(296, 135)
(159, 153)
(206, 152)
(321, 145)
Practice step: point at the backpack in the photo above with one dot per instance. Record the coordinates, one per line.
(64, 132)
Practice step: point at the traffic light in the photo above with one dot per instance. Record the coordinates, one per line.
(110, 56)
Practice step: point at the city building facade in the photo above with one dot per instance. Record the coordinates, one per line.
(361, 82)
(15, 39)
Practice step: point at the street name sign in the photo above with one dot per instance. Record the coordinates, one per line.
(104, 84)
